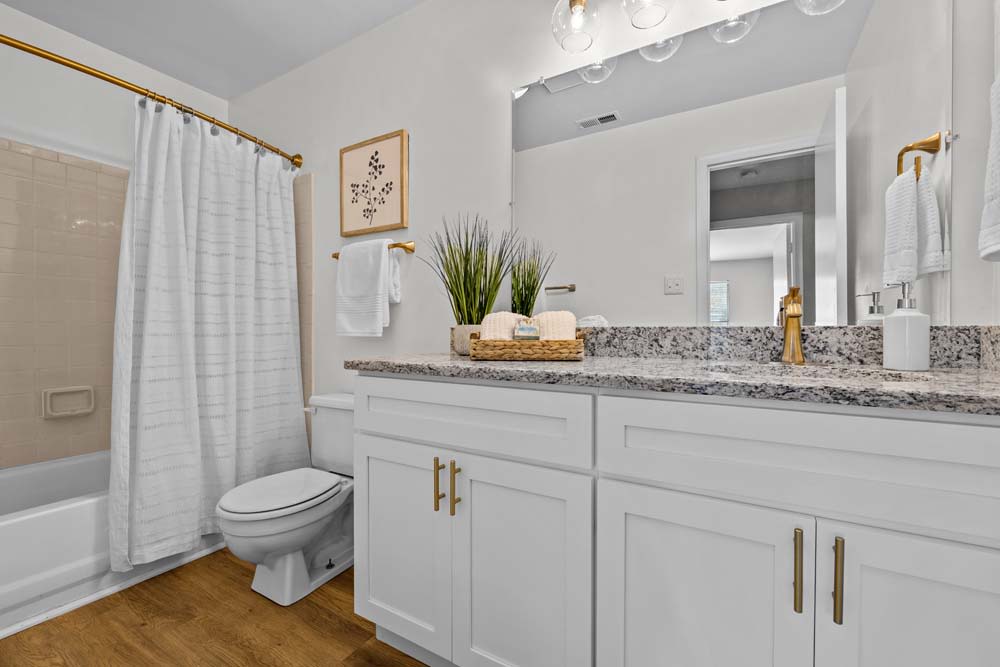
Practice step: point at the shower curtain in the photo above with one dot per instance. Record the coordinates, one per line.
(207, 373)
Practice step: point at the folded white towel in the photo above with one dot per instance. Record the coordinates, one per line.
(931, 255)
(900, 262)
(989, 234)
(500, 326)
(555, 325)
(367, 282)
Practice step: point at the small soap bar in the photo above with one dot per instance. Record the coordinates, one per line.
(526, 332)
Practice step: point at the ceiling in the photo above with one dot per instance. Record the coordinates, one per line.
(225, 47)
(729, 245)
(765, 172)
(786, 48)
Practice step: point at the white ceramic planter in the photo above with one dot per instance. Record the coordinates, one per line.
(460, 337)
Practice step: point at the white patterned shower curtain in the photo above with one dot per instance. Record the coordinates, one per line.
(207, 390)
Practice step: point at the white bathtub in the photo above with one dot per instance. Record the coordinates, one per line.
(54, 541)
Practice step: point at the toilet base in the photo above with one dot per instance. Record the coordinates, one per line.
(286, 579)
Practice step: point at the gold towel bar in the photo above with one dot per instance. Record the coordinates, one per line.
(410, 247)
(931, 144)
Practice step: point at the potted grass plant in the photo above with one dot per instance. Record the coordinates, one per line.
(472, 263)
(531, 266)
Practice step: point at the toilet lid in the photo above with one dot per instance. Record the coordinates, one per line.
(282, 490)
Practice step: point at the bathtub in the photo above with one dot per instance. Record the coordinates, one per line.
(54, 541)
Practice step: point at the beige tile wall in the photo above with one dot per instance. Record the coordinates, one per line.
(303, 192)
(60, 223)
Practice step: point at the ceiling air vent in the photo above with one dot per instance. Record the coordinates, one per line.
(597, 121)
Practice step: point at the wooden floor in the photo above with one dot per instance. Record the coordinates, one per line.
(204, 614)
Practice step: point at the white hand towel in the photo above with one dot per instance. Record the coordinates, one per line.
(367, 280)
(500, 326)
(556, 325)
(931, 255)
(989, 234)
(900, 262)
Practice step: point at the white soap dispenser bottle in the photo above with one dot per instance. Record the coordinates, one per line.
(876, 311)
(906, 336)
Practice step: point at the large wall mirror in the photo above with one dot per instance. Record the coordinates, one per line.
(693, 181)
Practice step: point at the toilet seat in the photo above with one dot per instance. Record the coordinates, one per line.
(278, 495)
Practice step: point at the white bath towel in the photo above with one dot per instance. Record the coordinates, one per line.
(367, 282)
(989, 234)
(900, 262)
(931, 250)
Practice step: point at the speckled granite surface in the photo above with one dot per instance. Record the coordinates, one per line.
(965, 390)
(991, 348)
(951, 347)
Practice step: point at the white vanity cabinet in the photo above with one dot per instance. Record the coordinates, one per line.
(714, 525)
(688, 580)
(482, 561)
(904, 600)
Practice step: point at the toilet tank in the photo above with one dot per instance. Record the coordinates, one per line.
(333, 433)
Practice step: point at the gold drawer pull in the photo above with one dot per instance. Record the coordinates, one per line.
(438, 467)
(455, 499)
(799, 589)
(838, 581)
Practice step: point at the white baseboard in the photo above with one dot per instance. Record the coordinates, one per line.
(137, 575)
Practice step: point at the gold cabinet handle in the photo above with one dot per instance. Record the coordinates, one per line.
(799, 589)
(455, 499)
(838, 581)
(438, 467)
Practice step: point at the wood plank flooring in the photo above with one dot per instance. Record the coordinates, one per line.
(205, 614)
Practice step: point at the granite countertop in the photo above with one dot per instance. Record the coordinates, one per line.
(957, 390)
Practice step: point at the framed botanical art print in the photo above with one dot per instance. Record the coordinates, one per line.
(374, 185)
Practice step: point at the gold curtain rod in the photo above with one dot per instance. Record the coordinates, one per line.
(122, 83)
(410, 247)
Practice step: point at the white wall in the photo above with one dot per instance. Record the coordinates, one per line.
(49, 105)
(443, 71)
(633, 222)
(751, 290)
(876, 78)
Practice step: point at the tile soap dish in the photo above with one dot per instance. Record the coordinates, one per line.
(526, 350)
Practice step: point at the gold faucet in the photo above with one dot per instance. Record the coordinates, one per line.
(793, 328)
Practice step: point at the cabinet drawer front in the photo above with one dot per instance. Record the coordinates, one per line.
(927, 477)
(545, 426)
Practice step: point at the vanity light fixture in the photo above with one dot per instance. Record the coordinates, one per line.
(734, 29)
(599, 71)
(645, 14)
(663, 50)
(575, 24)
(818, 7)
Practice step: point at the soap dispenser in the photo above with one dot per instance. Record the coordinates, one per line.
(906, 336)
(876, 311)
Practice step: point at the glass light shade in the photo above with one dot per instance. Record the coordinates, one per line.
(575, 24)
(645, 14)
(598, 72)
(818, 7)
(733, 30)
(657, 52)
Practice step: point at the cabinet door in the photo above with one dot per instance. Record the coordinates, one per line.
(522, 566)
(402, 559)
(907, 600)
(687, 580)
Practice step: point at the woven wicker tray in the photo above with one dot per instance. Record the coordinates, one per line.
(526, 350)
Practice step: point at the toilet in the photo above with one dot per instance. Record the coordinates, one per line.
(297, 526)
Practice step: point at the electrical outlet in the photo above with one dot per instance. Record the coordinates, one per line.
(673, 285)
